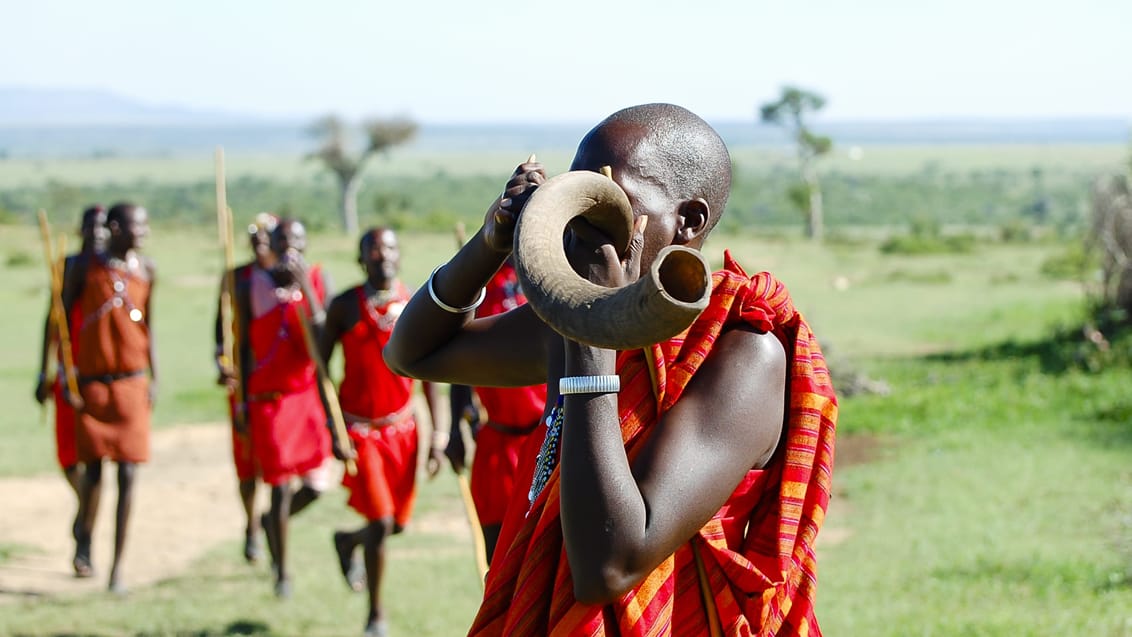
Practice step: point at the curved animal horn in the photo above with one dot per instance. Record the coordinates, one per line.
(658, 306)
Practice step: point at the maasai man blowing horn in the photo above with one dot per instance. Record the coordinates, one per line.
(378, 407)
(117, 371)
(680, 487)
(92, 229)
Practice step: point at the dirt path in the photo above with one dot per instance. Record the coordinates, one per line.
(185, 503)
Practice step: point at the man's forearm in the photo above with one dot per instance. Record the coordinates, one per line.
(424, 326)
(603, 513)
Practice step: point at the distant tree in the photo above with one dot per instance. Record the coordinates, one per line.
(1111, 235)
(334, 152)
(790, 111)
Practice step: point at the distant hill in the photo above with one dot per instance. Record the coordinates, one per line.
(36, 122)
(51, 107)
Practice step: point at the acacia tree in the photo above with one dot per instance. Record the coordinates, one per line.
(334, 152)
(1111, 235)
(789, 111)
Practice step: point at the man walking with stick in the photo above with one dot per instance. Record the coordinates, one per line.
(285, 409)
(378, 406)
(233, 360)
(57, 330)
(117, 371)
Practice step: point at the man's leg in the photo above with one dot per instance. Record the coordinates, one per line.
(126, 474)
(252, 550)
(345, 542)
(374, 544)
(303, 497)
(490, 538)
(90, 494)
(277, 535)
(74, 476)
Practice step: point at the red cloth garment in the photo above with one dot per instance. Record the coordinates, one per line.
(112, 358)
(285, 415)
(66, 448)
(66, 420)
(494, 470)
(385, 484)
(243, 458)
(757, 553)
(378, 405)
(513, 414)
(369, 389)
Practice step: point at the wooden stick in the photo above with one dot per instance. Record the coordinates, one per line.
(229, 337)
(328, 389)
(461, 234)
(474, 522)
(58, 313)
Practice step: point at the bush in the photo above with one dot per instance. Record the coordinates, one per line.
(919, 245)
(1074, 264)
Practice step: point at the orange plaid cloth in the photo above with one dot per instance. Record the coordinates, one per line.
(758, 566)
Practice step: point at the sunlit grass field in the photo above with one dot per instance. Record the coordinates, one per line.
(991, 497)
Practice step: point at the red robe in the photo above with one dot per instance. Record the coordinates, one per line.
(757, 572)
(513, 414)
(285, 414)
(66, 421)
(377, 404)
(113, 356)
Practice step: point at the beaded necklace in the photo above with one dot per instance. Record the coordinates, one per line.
(548, 454)
(375, 299)
(118, 298)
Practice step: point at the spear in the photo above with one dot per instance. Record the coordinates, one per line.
(229, 337)
(58, 312)
(328, 390)
(478, 544)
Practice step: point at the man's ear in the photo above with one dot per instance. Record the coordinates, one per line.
(693, 217)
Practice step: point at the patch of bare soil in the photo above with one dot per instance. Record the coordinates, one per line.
(185, 502)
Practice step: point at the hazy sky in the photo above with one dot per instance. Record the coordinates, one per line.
(578, 60)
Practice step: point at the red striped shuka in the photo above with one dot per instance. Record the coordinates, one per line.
(751, 569)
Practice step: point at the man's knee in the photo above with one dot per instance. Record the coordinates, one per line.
(378, 530)
(126, 473)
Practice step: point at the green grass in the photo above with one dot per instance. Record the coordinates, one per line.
(997, 499)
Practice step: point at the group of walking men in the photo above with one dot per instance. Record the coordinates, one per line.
(283, 434)
(674, 489)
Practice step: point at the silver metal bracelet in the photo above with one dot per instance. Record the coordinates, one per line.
(610, 384)
(448, 308)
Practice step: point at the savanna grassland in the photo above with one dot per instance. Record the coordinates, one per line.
(988, 491)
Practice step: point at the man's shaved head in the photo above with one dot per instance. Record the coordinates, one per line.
(674, 149)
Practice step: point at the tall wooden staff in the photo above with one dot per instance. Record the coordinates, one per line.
(478, 544)
(328, 389)
(58, 313)
(229, 337)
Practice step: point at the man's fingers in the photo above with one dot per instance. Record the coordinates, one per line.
(637, 242)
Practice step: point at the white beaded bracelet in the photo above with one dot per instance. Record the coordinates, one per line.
(610, 384)
(449, 308)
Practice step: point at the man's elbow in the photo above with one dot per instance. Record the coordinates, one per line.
(395, 362)
(602, 586)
